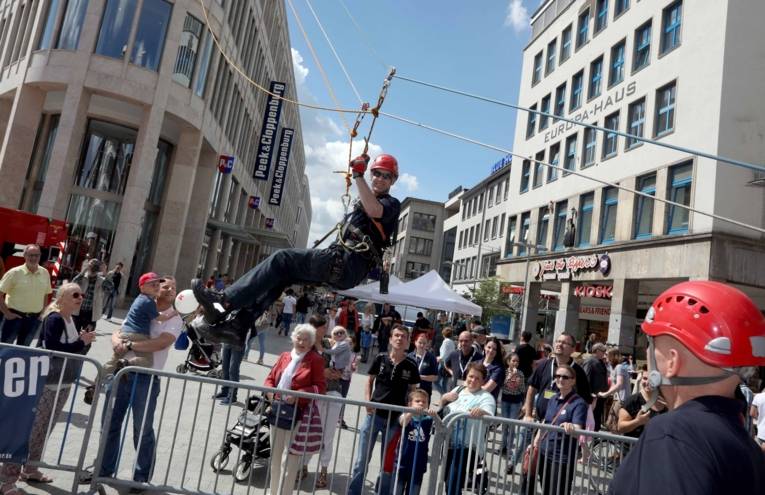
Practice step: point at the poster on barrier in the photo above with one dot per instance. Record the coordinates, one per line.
(22, 376)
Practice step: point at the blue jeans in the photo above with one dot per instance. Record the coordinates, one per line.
(111, 297)
(261, 345)
(510, 410)
(372, 426)
(286, 322)
(22, 329)
(300, 318)
(262, 285)
(134, 393)
(231, 361)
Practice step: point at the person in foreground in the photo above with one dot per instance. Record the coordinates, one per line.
(343, 265)
(702, 336)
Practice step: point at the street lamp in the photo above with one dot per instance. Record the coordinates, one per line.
(538, 249)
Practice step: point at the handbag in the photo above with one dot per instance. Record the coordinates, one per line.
(308, 437)
(531, 454)
(282, 415)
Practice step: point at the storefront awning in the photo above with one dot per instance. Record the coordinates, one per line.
(251, 235)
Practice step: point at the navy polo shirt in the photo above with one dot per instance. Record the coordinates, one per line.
(556, 445)
(701, 447)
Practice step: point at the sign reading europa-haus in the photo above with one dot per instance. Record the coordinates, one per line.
(568, 268)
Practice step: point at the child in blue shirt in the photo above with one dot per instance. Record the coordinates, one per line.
(412, 458)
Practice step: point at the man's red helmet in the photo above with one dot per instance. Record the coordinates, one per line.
(716, 322)
(387, 163)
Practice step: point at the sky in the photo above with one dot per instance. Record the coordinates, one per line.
(475, 46)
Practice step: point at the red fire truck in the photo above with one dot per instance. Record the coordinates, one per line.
(19, 228)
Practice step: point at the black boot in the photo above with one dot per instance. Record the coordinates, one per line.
(207, 298)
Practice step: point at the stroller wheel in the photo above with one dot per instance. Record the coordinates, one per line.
(242, 471)
(213, 373)
(181, 368)
(219, 461)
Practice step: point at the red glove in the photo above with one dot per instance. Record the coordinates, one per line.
(359, 165)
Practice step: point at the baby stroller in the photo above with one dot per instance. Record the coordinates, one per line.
(251, 434)
(202, 356)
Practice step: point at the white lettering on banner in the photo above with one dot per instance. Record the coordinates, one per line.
(599, 291)
(595, 310)
(567, 268)
(17, 378)
(268, 130)
(280, 172)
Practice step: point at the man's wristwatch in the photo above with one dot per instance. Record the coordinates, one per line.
(129, 345)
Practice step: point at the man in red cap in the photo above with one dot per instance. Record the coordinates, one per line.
(368, 230)
(704, 338)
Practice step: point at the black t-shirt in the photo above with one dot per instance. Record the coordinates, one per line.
(526, 357)
(422, 322)
(302, 304)
(392, 382)
(542, 380)
(632, 405)
(597, 374)
(700, 447)
(360, 219)
(458, 363)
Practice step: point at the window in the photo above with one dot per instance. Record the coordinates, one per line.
(511, 224)
(539, 169)
(498, 197)
(608, 215)
(560, 100)
(420, 246)
(46, 37)
(204, 64)
(601, 15)
(644, 207)
(665, 110)
(590, 143)
(544, 224)
(415, 269)
(480, 203)
(537, 69)
(671, 19)
(459, 241)
(565, 44)
(525, 175)
(106, 156)
(464, 210)
(115, 28)
(635, 122)
(491, 196)
(150, 36)
(507, 190)
(576, 91)
(680, 178)
(551, 49)
(543, 119)
(583, 28)
(502, 225)
(486, 229)
(402, 223)
(570, 162)
(559, 229)
(489, 265)
(525, 226)
(424, 222)
(552, 172)
(531, 122)
(642, 55)
(585, 220)
(620, 6)
(616, 75)
(610, 141)
(596, 74)
(188, 47)
(494, 226)
(71, 26)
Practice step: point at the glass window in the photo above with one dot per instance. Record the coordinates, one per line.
(204, 64)
(680, 179)
(507, 190)
(494, 226)
(539, 169)
(502, 225)
(665, 109)
(531, 122)
(610, 141)
(559, 229)
(106, 156)
(620, 6)
(71, 26)
(590, 144)
(537, 68)
(543, 119)
(560, 100)
(551, 49)
(115, 28)
(424, 222)
(486, 228)
(188, 47)
(636, 122)
(616, 75)
(583, 28)
(46, 37)
(524, 238)
(601, 15)
(489, 265)
(642, 55)
(644, 207)
(93, 224)
(498, 198)
(565, 44)
(585, 220)
(150, 36)
(511, 224)
(671, 20)
(608, 215)
(570, 162)
(415, 269)
(576, 91)
(420, 246)
(543, 226)
(44, 147)
(525, 175)
(552, 172)
(596, 74)
(490, 198)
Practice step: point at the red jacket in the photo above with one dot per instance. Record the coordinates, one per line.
(309, 374)
(342, 319)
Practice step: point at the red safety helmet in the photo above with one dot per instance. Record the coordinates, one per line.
(716, 322)
(387, 163)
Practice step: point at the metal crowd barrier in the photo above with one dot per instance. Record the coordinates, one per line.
(63, 421)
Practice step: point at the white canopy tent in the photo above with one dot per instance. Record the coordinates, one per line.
(371, 292)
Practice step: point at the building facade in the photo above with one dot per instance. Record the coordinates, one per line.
(418, 241)
(114, 114)
(449, 234)
(680, 72)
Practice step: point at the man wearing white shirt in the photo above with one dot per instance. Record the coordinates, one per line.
(758, 415)
(288, 312)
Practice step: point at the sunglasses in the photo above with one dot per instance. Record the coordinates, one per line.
(563, 377)
(77, 295)
(382, 175)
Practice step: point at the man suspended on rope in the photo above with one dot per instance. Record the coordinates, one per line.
(363, 236)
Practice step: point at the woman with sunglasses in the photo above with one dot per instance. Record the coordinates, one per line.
(59, 333)
(558, 450)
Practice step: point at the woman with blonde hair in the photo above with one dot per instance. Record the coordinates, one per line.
(59, 333)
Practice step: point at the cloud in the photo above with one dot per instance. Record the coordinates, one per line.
(517, 16)
(406, 181)
(301, 71)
